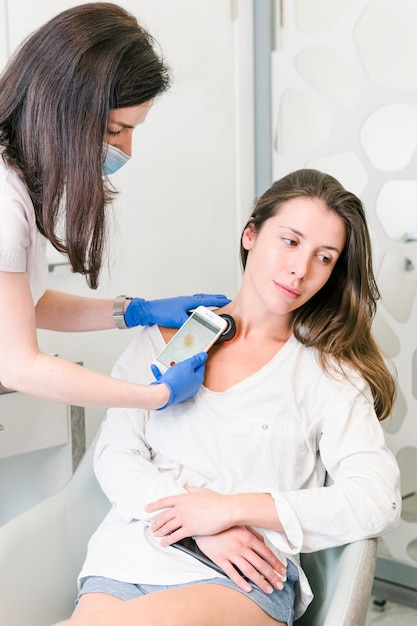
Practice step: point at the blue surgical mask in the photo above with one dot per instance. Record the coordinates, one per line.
(114, 159)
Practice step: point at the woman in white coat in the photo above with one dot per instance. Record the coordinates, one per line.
(70, 100)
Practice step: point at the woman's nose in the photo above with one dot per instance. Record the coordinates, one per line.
(127, 145)
(299, 267)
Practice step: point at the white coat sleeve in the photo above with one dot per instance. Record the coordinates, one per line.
(363, 498)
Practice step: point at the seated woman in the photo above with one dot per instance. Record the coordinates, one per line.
(241, 466)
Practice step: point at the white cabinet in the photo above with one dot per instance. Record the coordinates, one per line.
(41, 443)
(28, 424)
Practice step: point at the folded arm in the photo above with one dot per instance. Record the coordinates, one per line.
(364, 497)
(124, 468)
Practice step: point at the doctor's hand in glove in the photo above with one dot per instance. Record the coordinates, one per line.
(170, 312)
(182, 379)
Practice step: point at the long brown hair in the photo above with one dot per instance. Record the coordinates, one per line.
(55, 97)
(337, 320)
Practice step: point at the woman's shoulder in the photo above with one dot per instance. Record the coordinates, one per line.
(21, 246)
(11, 185)
(134, 364)
(326, 373)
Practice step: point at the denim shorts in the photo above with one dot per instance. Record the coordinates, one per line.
(279, 604)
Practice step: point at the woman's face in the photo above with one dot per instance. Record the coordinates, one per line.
(293, 254)
(122, 123)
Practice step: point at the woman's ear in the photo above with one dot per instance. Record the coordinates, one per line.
(248, 237)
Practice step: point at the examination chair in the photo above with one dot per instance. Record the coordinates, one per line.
(42, 550)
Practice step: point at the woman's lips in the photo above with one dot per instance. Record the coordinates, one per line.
(288, 292)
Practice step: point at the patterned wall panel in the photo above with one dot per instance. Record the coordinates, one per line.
(345, 101)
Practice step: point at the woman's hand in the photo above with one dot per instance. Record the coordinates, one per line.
(244, 548)
(198, 512)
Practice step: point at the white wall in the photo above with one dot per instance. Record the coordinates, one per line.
(189, 186)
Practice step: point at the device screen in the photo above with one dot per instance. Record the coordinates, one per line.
(192, 338)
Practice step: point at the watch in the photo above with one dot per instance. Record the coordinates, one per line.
(119, 312)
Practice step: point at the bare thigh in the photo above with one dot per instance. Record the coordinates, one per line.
(91, 602)
(197, 605)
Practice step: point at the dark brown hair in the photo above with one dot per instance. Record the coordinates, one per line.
(55, 97)
(337, 320)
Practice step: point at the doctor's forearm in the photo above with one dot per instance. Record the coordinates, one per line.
(56, 379)
(61, 311)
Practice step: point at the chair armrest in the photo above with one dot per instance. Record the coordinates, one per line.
(341, 579)
(42, 551)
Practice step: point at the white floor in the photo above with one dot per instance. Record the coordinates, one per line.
(392, 615)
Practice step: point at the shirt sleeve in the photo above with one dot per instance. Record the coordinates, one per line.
(14, 228)
(363, 496)
(123, 459)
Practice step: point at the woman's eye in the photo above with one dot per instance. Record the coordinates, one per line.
(113, 133)
(324, 259)
(289, 242)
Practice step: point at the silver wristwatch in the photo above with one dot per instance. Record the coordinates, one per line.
(119, 312)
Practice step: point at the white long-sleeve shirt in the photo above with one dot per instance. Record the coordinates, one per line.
(279, 431)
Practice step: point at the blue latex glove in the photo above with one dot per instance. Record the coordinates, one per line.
(171, 312)
(182, 379)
